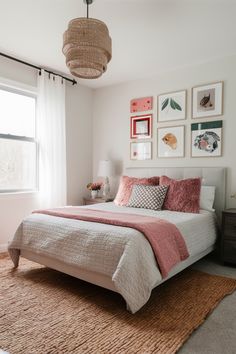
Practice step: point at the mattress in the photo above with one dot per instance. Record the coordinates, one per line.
(122, 254)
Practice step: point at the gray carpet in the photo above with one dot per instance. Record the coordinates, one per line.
(217, 335)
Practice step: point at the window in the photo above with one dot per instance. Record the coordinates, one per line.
(18, 146)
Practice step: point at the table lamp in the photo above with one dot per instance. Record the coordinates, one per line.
(106, 169)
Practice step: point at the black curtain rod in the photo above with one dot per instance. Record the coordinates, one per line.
(74, 82)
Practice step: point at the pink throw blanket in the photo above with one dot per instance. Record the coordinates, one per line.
(166, 240)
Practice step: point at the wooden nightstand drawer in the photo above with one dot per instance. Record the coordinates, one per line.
(229, 251)
(230, 227)
(228, 242)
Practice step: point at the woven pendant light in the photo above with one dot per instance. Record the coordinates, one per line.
(87, 46)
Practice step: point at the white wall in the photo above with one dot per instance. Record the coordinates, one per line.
(111, 118)
(107, 134)
(79, 141)
(13, 208)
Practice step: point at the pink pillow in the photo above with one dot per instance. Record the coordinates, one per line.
(183, 195)
(126, 184)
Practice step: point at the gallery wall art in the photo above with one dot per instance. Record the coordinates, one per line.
(141, 150)
(141, 127)
(206, 139)
(172, 106)
(207, 100)
(141, 104)
(170, 141)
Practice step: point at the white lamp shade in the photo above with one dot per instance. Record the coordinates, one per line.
(105, 168)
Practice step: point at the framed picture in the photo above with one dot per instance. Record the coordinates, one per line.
(170, 141)
(141, 151)
(206, 139)
(207, 100)
(141, 104)
(172, 106)
(141, 127)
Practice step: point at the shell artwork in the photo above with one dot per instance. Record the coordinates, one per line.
(170, 140)
(205, 101)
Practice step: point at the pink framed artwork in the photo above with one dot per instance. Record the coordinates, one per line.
(141, 104)
(141, 127)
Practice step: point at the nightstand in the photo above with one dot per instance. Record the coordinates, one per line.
(228, 241)
(90, 201)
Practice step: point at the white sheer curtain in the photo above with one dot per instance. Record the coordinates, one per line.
(51, 137)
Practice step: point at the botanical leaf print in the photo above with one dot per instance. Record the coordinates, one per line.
(164, 104)
(177, 106)
(173, 104)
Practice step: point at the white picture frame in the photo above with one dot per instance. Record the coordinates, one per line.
(171, 141)
(207, 100)
(141, 150)
(172, 106)
(206, 139)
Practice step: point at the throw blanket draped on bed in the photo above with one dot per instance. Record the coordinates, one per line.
(166, 240)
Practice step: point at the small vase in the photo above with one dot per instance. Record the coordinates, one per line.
(94, 194)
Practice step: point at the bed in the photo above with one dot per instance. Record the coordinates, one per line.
(119, 258)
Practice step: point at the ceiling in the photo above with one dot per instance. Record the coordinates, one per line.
(149, 37)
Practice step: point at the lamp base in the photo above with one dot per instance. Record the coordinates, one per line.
(106, 188)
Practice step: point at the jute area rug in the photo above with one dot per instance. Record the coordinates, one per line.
(44, 311)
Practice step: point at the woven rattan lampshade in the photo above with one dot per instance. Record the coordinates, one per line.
(87, 47)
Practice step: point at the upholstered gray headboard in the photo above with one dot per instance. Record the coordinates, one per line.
(211, 176)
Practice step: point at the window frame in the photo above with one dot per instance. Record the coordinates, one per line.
(28, 91)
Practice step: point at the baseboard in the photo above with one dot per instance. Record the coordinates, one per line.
(3, 248)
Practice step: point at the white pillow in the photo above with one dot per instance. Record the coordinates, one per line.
(207, 197)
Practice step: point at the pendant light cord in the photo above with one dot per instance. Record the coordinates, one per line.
(87, 9)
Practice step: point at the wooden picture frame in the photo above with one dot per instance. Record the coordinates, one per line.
(141, 127)
(172, 106)
(207, 100)
(171, 141)
(141, 150)
(206, 139)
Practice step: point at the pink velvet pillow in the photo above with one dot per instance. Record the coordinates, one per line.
(183, 195)
(126, 184)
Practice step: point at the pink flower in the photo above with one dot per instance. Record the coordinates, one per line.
(96, 186)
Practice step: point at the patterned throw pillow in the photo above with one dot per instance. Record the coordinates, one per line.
(126, 184)
(148, 197)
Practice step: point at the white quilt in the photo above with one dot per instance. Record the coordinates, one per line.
(121, 253)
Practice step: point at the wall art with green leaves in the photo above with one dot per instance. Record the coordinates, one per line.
(172, 106)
